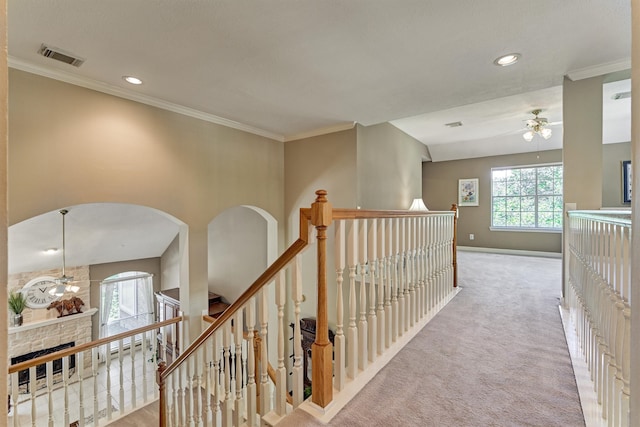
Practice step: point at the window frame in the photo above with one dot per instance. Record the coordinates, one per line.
(535, 229)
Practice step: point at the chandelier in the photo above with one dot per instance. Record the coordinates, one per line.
(537, 125)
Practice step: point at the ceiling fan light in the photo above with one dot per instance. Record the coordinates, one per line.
(546, 133)
(528, 136)
(59, 290)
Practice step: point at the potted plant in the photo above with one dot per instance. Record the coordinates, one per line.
(17, 303)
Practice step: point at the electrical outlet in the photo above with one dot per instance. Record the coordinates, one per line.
(471, 237)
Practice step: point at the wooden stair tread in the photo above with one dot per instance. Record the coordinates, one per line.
(216, 308)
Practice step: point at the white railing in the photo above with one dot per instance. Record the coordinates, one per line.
(90, 384)
(599, 300)
(399, 271)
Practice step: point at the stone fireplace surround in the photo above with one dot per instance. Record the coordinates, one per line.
(42, 329)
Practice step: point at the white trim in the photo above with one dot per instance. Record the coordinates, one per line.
(321, 131)
(599, 70)
(511, 251)
(528, 230)
(591, 409)
(85, 82)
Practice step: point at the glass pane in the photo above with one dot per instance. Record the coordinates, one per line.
(557, 172)
(513, 204)
(545, 173)
(499, 204)
(528, 188)
(528, 204)
(545, 204)
(545, 219)
(557, 203)
(528, 174)
(528, 219)
(513, 219)
(499, 188)
(513, 174)
(499, 219)
(545, 186)
(557, 220)
(513, 188)
(499, 175)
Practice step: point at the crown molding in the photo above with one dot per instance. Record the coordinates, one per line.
(76, 80)
(320, 131)
(599, 70)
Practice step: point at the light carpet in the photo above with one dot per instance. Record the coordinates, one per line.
(494, 356)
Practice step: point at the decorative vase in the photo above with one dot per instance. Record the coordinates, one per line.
(17, 319)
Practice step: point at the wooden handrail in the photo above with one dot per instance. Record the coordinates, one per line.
(226, 315)
(88, 346)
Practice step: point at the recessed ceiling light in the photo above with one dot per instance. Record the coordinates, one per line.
(508, 59)
(132, 80)
(51, 251)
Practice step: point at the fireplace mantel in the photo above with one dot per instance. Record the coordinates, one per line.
(49, 322)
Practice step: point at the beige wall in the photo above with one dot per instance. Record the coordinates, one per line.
(71, 145)
(612, 157)
(582, 142)
(389, 167)
(440, 186)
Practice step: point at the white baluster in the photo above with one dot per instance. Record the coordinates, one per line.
(216, 388)
(281, 371)
(297, 382)
(381, 255)
(94, 375)
(395, 260)
(49, 370)
(251, 371)
(410, 277)
(14, 399)
(108, 368)
(145, 357)
(227, 404)
(339, 339)
(352, 333)
(65, 388)
(362, 324)
(132, 353)
(403, 292)
(238, 339)
(207, 359)
(389, 313)
(263, 314)
(80, 365)
(121, 401)
(372, 320)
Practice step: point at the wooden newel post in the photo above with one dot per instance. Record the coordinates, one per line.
(162, 403)
(454, 208)
(322, 349)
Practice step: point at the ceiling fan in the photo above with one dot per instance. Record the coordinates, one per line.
(538, 126)
(64, 281)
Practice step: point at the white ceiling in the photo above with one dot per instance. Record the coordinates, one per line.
(292, 68)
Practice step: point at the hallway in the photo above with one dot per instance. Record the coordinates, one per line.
(496, 355)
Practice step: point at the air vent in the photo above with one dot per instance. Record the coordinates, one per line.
(60, 55)
(453, 124)
(621, 95)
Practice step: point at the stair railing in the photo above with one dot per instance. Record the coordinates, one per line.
(403, 263)
(599, 300)
(106, 384)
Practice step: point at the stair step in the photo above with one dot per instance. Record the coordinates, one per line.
(216, 308)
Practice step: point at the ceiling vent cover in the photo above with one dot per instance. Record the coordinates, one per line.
(60, 55)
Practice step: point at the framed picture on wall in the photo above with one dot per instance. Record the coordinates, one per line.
(626, 181)
(468, 192)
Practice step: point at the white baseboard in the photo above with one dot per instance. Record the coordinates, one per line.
(511, 251)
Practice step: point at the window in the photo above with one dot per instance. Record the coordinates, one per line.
(126, 303)
(527, 198)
